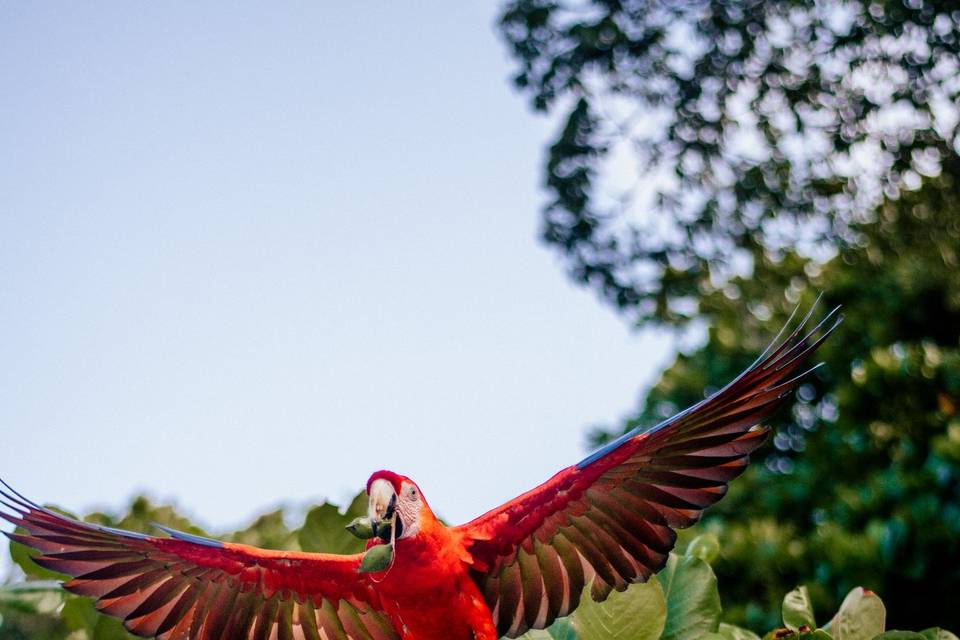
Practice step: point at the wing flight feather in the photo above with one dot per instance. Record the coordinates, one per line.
(611, 519)
(186, 587)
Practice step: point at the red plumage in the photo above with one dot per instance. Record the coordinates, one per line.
(603, 523)
(393, 478)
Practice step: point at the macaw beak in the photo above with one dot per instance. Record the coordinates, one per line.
(382, 510)
(381, 515)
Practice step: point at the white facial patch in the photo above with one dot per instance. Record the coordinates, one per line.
(409, 503)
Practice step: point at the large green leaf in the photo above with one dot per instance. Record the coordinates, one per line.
(936, 633)
(862, 616)
(109, 629)
(562, 630)
(79, 614)
(142, 516)
(730, 632)
(705, 546)
(797, 610)
(268, 531)
(693, 602)
(325, 528)
(639, 613)
(536, 634)
(790, 634)
(559, 630)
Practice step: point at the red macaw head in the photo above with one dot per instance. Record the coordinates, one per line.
(391, 493)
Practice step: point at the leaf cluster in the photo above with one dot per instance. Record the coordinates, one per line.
(682, 603)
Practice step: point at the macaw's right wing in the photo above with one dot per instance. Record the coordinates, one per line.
(190, 588)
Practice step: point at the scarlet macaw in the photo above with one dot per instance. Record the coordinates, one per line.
(605, 522)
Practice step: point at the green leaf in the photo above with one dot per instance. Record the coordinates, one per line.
(693, 602)
(268, 531)
(142, 516)
(936, 633)
(862, 616)
(562, 630)
(639, 613)
(789, 634)
(536, 634)
(559, 630)
(730, 632)
(79, 614)
(797, 611)
(325, 528)
(705, 546)
(110, 629)
(357, 506)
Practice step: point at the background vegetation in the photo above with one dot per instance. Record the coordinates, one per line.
(721, 162)
(682, 602)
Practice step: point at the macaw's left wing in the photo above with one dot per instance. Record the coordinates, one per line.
(190, 588)
(610, 520)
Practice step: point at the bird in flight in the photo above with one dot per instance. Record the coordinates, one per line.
(596, 526)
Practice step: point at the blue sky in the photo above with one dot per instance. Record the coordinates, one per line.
(251, 252)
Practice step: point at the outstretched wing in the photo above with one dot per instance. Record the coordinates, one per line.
(610, 520)
(190, 588)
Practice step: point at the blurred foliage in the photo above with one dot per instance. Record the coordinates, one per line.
(325, 528)
(682, 602)
(862, 483)
(700, 137)
(723, 161)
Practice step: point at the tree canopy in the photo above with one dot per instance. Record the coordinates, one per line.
(862, 483)
(699, 136)
(727, 160)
